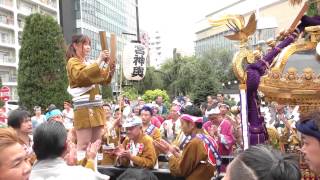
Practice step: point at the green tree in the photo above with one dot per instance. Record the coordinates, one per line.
(205, 82)
(197, 76)
(152, 80)
(177, 74)
(1, 102)
(221, 63)
(130, 92)
(42, 77)
(151, 95)
(213, 69)
(106, 92)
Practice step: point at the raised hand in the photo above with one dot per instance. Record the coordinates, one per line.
(104, 57)
(125, 154)
(71, 156)
(119, 150)
(93, 149)
(162, 146)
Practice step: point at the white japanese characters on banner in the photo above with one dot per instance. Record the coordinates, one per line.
(134, 61)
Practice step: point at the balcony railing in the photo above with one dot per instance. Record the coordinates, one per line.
(6, 19)
(8, 3)
(26, 9)
(13, 78)
(49, 3)
(7, 78)
(7, 60)
(7, 40)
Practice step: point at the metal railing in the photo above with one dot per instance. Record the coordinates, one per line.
(6, 40)
(8, 78)
(6, 60)
(6, 19)
(8, 3)
(49, 3)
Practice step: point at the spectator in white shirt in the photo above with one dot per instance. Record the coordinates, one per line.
(38, 118)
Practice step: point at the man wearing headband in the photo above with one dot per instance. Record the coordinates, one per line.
(198, 158)
(137, 149)
(310, 129)
(221, 130)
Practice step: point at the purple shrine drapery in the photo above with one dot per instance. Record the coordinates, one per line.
(258, 133)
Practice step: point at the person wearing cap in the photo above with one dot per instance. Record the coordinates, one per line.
(309, 127)
(55, 115)
(171, 128)
(198, 157)
(137, 150)
(221, 130)
(149, 128)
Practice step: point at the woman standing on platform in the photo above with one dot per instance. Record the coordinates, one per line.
(84, 79)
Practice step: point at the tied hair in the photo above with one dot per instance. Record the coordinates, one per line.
(76, 39)
(285, 167)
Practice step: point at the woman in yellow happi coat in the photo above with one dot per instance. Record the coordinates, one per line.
(84, 79)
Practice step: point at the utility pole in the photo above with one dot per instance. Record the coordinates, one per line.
(137, 20)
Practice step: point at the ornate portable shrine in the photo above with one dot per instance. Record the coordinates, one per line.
(294, 78)
(288, 72)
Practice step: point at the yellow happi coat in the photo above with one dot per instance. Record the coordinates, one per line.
(82, 75)
(146, 155)
(114, 138)
(193, 163)
(155, 134)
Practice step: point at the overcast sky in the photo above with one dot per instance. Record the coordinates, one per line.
(175, 20)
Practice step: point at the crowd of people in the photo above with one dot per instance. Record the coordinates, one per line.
(193, 139)
(135, 134)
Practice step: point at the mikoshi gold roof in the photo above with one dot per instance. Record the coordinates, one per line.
(294, 79)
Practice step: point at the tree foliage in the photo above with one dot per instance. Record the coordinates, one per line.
(130, 92)
(152, 80)
(151, 95)
(106, 92)
(1, 101)
(197, 76)
(42, 77)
